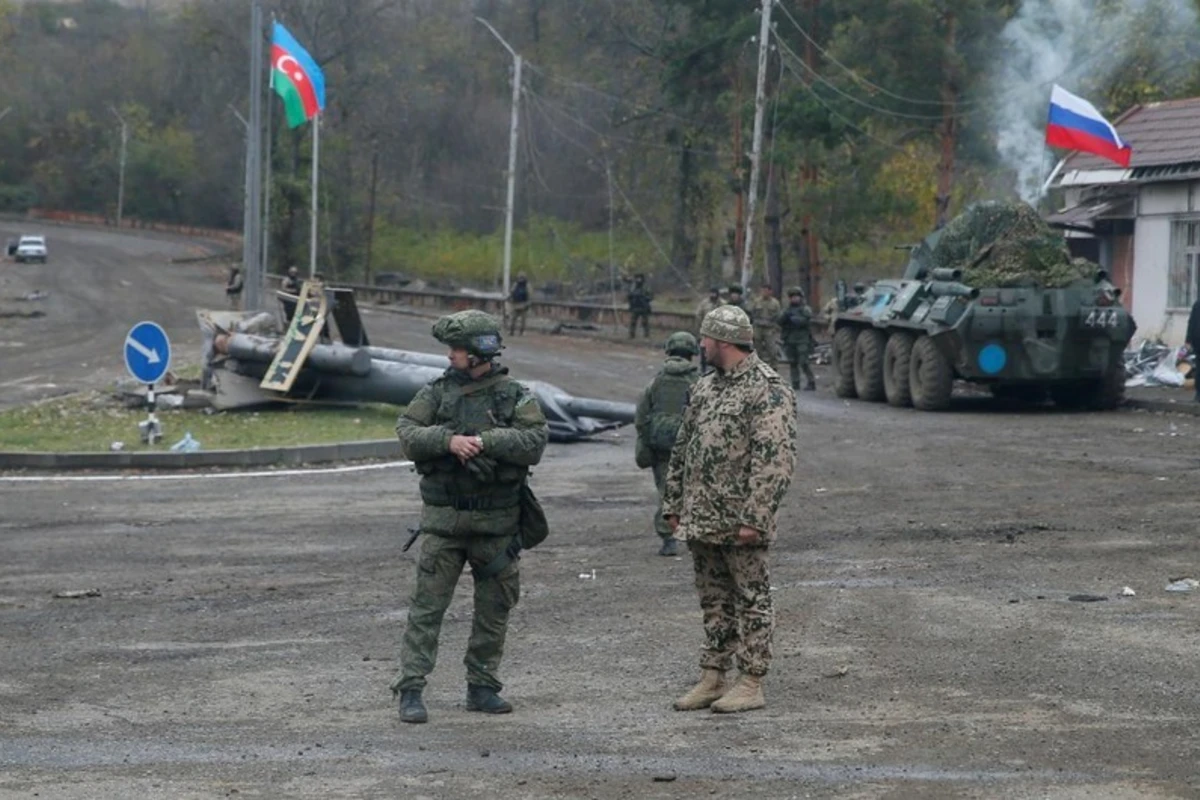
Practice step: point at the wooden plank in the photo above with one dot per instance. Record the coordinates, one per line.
(302, 335)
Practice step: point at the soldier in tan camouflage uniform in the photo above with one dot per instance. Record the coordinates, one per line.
(730, 468)
(708, 304)
(764, 316)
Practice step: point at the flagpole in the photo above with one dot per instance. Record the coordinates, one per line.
(312, 256)
(265, 230)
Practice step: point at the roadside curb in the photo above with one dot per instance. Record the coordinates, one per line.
(257, 457)
(1165, 406)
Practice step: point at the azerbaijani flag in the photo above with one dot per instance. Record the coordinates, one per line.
(296, 77)
(1075, 124)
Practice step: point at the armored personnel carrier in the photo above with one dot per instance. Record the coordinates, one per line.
(993, 298)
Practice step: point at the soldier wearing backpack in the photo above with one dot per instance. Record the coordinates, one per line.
(659, 414)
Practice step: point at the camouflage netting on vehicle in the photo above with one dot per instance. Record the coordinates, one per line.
(1006, 244)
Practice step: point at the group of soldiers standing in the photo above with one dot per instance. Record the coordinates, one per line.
(723, 450)
(778, 330)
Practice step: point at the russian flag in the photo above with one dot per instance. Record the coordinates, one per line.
(1075, 124)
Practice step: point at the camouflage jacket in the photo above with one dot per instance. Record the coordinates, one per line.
(661, 408)
(764, 314)
(640, 299)
(480, 497)
(735, 455)
(796, 323)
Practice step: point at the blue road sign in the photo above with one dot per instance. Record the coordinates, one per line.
(147, 352)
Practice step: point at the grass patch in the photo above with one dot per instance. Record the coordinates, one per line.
(91, 422)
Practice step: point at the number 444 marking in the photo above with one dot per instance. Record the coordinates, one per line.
(1103, 318)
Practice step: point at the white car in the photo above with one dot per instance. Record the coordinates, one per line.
(31, 248)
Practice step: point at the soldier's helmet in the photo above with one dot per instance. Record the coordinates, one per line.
(475, 331)
(714, 290)
(682, 343)
(794, 291)
(860, 287)
(728, 324)
(735, 288)
(521, 277)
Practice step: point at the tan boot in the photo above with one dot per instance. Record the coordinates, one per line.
(746, 695)
(702, 695)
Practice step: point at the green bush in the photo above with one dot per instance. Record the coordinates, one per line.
(19, 198)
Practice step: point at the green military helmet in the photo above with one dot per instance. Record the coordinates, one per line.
(682, 343)
(795, 290)
(728, 324)
(735, 288)
(475, 331)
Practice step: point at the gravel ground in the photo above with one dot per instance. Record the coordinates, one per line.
(246, 627)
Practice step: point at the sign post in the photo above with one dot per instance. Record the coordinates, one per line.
(147, 357)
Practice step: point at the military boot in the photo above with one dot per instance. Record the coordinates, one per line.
(746, 695)
(411, 707)
(485, 699)
(670, 547)
(702, 695)
(811, 386)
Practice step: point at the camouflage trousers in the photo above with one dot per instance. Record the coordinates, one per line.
(797, 358)
(660, 482)
(766, 344)
(735, 598)
(439, 567)
(516, 318)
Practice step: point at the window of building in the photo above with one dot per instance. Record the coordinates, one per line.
(1183, 281)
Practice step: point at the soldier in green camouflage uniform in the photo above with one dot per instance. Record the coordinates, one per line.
(796, 323)
(640, 299)
(472, 435)
(659, 413)
(764, 316)
(728, 474)
(734, 293)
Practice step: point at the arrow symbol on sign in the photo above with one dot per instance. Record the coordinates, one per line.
(150, 354)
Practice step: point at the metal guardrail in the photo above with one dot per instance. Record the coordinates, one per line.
(563, 311)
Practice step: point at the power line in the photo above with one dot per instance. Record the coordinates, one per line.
(853, 75)
(833, 112)
(878, 109)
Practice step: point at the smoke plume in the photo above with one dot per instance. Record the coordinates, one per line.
(1078, 44)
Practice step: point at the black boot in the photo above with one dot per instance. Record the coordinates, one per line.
(411, 707)
(670, 547)
(485, 699)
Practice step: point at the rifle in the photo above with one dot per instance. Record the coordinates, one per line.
(411, 539)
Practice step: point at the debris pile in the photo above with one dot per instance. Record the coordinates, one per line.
(1152, 363)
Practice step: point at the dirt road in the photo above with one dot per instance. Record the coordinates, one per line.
(927, 646)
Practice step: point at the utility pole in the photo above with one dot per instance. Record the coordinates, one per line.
(808, 174)
(512, 154)
(121, 175)
(252, 214)
(760, 95)
(949, 131)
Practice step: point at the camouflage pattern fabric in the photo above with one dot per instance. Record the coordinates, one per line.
(735, 455)
(470, 512)
(1002, 244)
(764, 315)
(665, 396)
(706, 305)
(505, 415)
(441, 563)
(734, 585)
(795, 324)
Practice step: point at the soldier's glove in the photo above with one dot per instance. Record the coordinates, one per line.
(483, 468)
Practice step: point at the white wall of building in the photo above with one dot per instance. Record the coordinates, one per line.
(1159, 205)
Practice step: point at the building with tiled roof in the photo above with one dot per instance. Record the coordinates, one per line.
(1142, 224)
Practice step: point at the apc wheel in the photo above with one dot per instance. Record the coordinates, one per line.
(896, 359)
(868, 365)
(930, 377)
(843, 362)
